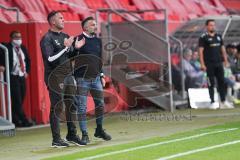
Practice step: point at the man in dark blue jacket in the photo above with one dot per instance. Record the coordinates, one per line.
(90, 78)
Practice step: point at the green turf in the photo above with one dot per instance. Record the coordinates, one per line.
(224, 153)
(34, 144)
(171, 148)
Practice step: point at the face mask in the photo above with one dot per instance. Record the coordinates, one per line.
(17, 42)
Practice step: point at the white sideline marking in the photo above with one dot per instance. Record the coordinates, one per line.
(199, 150)
(156, 144)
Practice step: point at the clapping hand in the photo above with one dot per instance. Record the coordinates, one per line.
(79, 43)
(68, 42)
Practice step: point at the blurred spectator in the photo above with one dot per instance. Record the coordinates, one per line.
(231, 55)
(231, 83)
(176, 72)
(236, 71)
(194, 79)
(195, 61)
(19, 68)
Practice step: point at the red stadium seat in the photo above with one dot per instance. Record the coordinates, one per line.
(3, 17)
(10, 16)
(35, 10)
(143, 4)
(54, 5)
(116, 18)
(175, 59)
(160, 4)
(208, 7)
(180, 9)
(80, 7)
(6, 3)
(70, 16)
(233, 5)
(220, 7)
(192, 7)
(126, 5)
(115, 4)
(93, 4)
(147, 5)
(149, 16)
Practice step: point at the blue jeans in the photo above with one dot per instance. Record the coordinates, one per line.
(84, 86)
(229, 82)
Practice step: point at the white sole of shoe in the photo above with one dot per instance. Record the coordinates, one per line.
(75, 143)
(104, 139)
(226, 107)
(55, 146)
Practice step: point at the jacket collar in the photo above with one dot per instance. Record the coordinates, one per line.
(87, 35)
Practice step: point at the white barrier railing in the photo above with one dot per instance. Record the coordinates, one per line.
(9, 106)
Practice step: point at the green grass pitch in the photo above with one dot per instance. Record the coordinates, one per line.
(219, 142)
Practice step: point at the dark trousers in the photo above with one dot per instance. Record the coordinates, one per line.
(215, 70)
(18, 91)
(60, 98)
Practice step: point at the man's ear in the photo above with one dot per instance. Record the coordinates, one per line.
(52, 21)
(85, 28)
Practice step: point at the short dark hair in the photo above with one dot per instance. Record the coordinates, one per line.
(86, 20)
(208, 21)
(238, 48)
(231, 46)
(51, 14)
(13, 33)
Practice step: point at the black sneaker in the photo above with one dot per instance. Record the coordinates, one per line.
(59, 143)
(75, 140)
(100, 133)
(85, 138)
(27, 124)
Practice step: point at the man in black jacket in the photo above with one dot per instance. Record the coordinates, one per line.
(19, 68)
(56, 49)
(213, 59)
